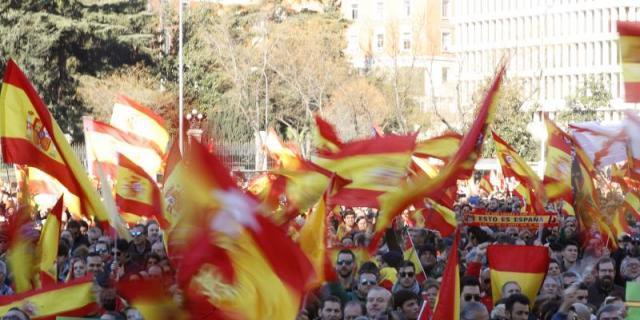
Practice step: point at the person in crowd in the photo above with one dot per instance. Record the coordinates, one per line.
(5, 290)
(550, 286)
(93, 234)
(407, 304)
(570, 257)
(354, 309)
(604, 284)
(378, 302)
(78, 269)
(509, 288)
(474, 311)
(331, 308)
(345, 267)
(630, 268)
(407, 278)
(138, 249)
(517, 307)
(153, 232)
(470, 289)
(367, 279)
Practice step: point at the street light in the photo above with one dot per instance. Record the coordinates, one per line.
(196, 120)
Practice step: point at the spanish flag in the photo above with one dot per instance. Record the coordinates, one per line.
(325, 137)
(526, 265)
(557, 174)
(29, 135)
(151, 298)
(105, 142)
(442, 147)
(375, 165)
(459, 167)
(232, 255)
(172, 183)
(74, 298)
(47, 249)
(134, 118)
(630, 55)
(632, 202)
(440, 218)
(313, 236)
(284, 156)
(46, 191)
(485, 184)
(137, 195)
(514, 166)
(21, 250)
(619, 223)
(448, 303)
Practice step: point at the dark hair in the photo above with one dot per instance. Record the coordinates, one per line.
(402, 296)
(570, 243)
(348, 212)
(94, 254)
(84, 224)
(363, 309)
(63, 249)
(516, 298)
(73, 224)
(407, 263)
(122, 245)
(331, 299)
(21, 311)
(347, 251)
(369, 267)
(469, 281)
(604, 260)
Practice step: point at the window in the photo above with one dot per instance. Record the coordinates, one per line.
(380, 9)
(446, 9)
(379, 41)
(406, 41)
(445, 75)
(407, 7)
(446, 41)
(354, 11)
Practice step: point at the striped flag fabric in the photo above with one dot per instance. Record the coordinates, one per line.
(440, 218)
(459, 167)
(513, 165)
(557, 174)
(151, 298)
(448, 303)
(630, 57)
(527, 265)
(73, 298)
(325, 136)
(619, 223)
(46, 190)
(104, 142)
(442, 147)
(47, 248)
(632, 202)
(134, 118)
(30, 136)
(137, 195)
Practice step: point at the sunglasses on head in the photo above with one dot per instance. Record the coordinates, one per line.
(136, 233)
(469, 297)
(406, 274)
(345, 262)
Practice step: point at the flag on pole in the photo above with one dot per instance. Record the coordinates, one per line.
(30, 136)
(514, 166)
(73, 298)
(459, 167)
(440, 218)
(47, 248)
(557, 174)
(630, 57)
(526, 265)
(448, 302)
(134, 118)
(137, 195)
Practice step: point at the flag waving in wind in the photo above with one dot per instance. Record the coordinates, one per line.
(526, 265)
(29, 135)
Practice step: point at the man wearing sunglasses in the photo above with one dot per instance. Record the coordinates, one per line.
(138, 249)
(406, 278)
(470, 290)
(345, 269)
(367, 279)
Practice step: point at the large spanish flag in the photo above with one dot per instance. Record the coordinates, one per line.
(46, 191)
(104, 142)
(441, 147)
(513, 165)
(630, 54)
(557, 174)
(134, 118)
(47, 249)
(21, 250)
(459, 167)
(151, 298)
(325, 137)
(137, 195)
(375, 165)
(74, 298)
(526, 265)
(448, 302)
(233, 256)
(619, 222)
(440, 218)
(29, 135)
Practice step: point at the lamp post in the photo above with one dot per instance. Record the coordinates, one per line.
(195, 120)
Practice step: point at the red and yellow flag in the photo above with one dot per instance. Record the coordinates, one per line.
(459, 167)
(137, 195)
(30, 136)
(440, 218)
(619, 223)
(46, 190)
(514, 166)
(74, 298)
(231, 255)
(630, 56)
(632, 202)
(21, 250)
(375, 165)
(485, 184)
(151, 298)
(47, 249)
(104, 142)
(557, 174)
(448, 302)
(526, 265)
(325, 137)
(134, 118)
(442, 147)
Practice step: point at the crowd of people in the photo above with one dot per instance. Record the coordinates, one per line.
(585, 280)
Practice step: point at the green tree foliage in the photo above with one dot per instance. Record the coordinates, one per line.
(592, 95)
(57, 42)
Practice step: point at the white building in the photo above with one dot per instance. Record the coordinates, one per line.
(552, 45)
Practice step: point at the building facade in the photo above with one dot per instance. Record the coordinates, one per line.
(552, 46)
